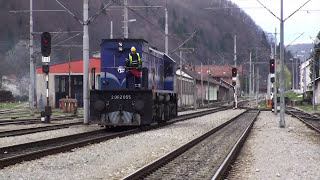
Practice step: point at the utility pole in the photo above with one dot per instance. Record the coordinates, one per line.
(235, 65)
(31, 85)
(125, 19)
(111, 30)
(85, 61)
(282, 103)
(250, 80)
(166, 32)
(275, 74)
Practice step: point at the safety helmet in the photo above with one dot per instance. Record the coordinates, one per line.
(133, 48)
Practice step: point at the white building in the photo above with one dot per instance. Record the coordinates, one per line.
(305, 80)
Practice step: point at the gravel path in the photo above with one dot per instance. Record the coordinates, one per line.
(276, 153)
(116, 158)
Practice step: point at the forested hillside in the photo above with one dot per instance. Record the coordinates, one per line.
(215, 29)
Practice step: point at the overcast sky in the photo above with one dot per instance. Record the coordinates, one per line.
(307, 22)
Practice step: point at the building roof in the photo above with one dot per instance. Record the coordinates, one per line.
(76, 66)
(218, 71)
(197, 76)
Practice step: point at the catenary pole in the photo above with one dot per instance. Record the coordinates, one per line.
(85, 61)
(125, 18)
(250, 80)
(253, 81)
(166, 33)
(201, 86)
(180, 65)
(194, 91)
(208, 70)
(235, 65)
(111, 30)
(257, 87)
(313, 79)
(282, 103)
(31, 85)
(275, 74)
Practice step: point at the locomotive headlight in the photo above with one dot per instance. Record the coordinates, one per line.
(120, 48)
(120, 43)
(139, 105)
(99, 105)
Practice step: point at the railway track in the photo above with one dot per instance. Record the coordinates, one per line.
(25, 121)
(311, 121)
(13, 154)
(18, 132)
(206, 157)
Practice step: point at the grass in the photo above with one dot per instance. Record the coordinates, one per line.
(293, 96)
(10, 105)
(307, 107)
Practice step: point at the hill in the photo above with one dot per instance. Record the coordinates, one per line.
(301, 49)
(215, 29)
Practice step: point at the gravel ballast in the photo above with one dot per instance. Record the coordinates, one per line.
(278, 153)
(8, 141)
(118, 157)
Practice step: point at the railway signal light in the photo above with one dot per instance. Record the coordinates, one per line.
(234, 72)
(271, 64)
(45, 68)
(46, 44)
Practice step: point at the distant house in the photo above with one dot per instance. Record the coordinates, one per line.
(305, 79)
(212, 90)
(59, 81)
(220, 72)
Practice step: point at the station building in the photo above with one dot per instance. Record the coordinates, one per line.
(59, 82)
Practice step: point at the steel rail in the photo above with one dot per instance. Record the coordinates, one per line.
(34, 120)
(303, 119)
(147, 169)
(235, 149)
(18, 132)
(22, 152)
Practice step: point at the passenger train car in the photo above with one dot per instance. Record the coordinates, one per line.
(117, 102)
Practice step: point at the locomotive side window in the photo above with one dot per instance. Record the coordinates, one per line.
(167, 69)
(161, 73)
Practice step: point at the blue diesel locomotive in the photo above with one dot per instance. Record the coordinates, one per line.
(117, 102)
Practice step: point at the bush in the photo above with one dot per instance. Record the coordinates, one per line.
(6, 96)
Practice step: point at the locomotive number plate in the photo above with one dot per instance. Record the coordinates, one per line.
(121, 97)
